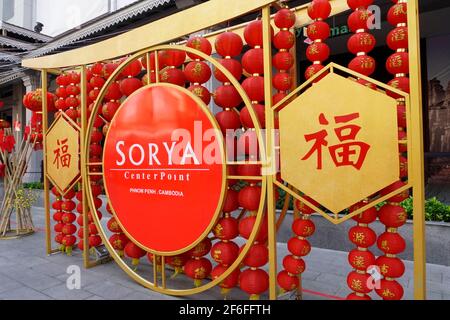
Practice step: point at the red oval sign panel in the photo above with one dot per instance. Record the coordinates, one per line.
(163, 169)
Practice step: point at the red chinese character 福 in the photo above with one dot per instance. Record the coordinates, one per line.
(347, 153)
(62, 157)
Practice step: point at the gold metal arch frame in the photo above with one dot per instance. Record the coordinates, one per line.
(143, 40)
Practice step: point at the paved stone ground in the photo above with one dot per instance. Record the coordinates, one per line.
(26, 272)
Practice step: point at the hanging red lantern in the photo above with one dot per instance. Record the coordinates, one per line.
(97, 68)
(177, 263)
(73, 90)
(254, 87)
(299, 247)
(294, 265)
(282, 81)
(68, 217)
(249, 170)
(249, 198)
(398, 63)
(197, 72)
(94, 241)
(130, 85)
(398, 38)
(96, 136)
(319, 9)
(403, 167)
(201, 249)
(318, 30)
(201, 92)
(231, 201)
(285, 19)
(283, 60)
(390, 290)
(246, 119)
(392, 216)
(174, 58)
(134, 252)
(318, 51)
(68, 206)
(198, 269)
(390, 267)
(227, 97)
(61, 92)
(97, 82)
(359, 20)
(246, 226)
(161, 61)
(69, 229)
(287, 281)
(58, 227)
(229, 44)
(398, 14)
(174, 76)
(257, 256)
(227, 228)
(230, 282)
(359, 296)
(358, 282)
(363, 237)
(62, 80)
(402, 196)
(232, 65)
(365, 217)
(359, 4)
(253, 34)
(118, 242)
(303, 228)
(133, 69)
(113, 92)
(361, 260)
(201, 44)
(108, 69)
(363, 64)
(254, 282)
(312, 70)
(225, 252)
(361, 42)
(253, 61)
(303, 207)
(113, 226)
(284, 39)
(391, 243)
(74, 77)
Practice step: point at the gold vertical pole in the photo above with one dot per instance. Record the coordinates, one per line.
(84, 175)
(48, 231)
(270, 153)
(417, 151)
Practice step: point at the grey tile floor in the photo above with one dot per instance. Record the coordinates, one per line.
(26, 272)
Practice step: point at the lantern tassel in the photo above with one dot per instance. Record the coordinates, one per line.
(254, 297)
(197, 283)
(178, 271)
(225, 292)
(69, 251)
(135, 263)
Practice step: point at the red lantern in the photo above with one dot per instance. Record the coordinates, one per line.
(97, 82)
(174, 76)
(402, 196)
(249, 198)
(312, 70)
(69, 241)
(253, 61)
(319, 9)
(303, 228)
(129, 85)
(363, 64)
(229, 44)
(363, 237)
(285, 19)
(230, 282)
(246, 119)
(201, 92)
(113, 226)
(201, 44)
(401, 83)
(398, 14)
(161, 61)
(201, 249)
(398, 38)
(367, 216)
(358, 20)
(74, 77)
(61, 92)
(282, 81)
(134, 252)
(253, 34)
(59, 238)
(403, 167)
(118, 241)
(177, 262)
(68, 217)
(109, 68)
(390, 267)
(390, 290)
(231, 201)
(283, 60)
(174, 58)
(318, 30)
(398, 63)
(287, 282)
(225, 252)
(247, 224)
(254, 282)
(392, 216)
(198, 269)
(358, 282)
(318, 51)
(361, 42)
(249, 170)
(391, 243)
(96, 136)
(284, 40)
(69, 229)
(94, 241)
(254, 87)
(359, 296)
(232, 65)
(361, 260)
(257, 256)
(227, 228)
(133, 69)
(303, 208)
(113, 92)
(62, 80)
(68, 205)
(227, 97)
(299, 247)
(197, 72)
(58, 227)
(95, 149)
(359, 4)
(97, 68)
(294, 265)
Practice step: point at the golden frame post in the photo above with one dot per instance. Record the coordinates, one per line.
(417, 151)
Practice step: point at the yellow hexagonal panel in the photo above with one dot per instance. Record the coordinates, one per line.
(339, 142)
(62, 152)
